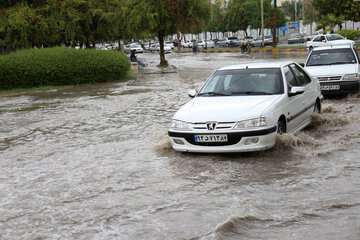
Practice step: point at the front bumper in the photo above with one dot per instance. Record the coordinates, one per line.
(346, 87)
(237, 141)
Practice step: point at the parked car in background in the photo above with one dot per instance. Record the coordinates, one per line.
(267, 41)
(221, 43)
(233, 42)
(242, 108)
(210, 44)
(337, 69)
(296, 38)
(186, 44)
(247, 40)
(170, 44)
(156, 48)
(323, 40)
(133, 47)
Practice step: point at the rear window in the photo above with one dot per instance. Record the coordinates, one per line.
(333, 37)
(331, 57)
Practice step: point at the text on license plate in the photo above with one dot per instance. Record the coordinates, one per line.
(211, 138)
(330, 87)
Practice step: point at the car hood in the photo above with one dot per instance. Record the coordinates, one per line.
(225, 109)
(332, 70)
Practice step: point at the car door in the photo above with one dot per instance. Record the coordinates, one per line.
(318, 41)
(294, 104)
(309, 95)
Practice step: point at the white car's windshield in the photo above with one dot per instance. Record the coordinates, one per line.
(333, 37)
(267, 81)
(331, 57)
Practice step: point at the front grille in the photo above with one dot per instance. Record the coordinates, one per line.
(233, 137)
(219, 125)
(330, 78)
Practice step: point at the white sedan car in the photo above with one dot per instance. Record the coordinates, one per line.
(134, 47)
(324, 40)
(242, 108)
(337, 68)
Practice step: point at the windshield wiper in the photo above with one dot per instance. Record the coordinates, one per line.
(326, 64)
(253, 93)
(336, 63)
(213, 94)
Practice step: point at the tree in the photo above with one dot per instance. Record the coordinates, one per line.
(163, 17)
(237, 16)
(217, 18)
(277, 19)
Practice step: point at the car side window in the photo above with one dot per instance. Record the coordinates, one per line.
(302, 78)
(290, 77)
(317, 39)
(357, 55)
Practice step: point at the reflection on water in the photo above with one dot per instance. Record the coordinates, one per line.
(94, 162)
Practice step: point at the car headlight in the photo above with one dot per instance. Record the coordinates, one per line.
(251, 123)
(180, 125)
(351, 77)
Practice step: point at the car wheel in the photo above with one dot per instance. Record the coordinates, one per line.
(311, 48)
(317, 107)
(281, 127)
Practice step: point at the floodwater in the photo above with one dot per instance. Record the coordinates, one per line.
(93, 162)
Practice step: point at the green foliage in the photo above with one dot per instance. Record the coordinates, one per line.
(217, 18)
(242, 14)
(350, 34)
(162, 17)
(329, 21)
(60, 66)
(237, 16)
(333, 12)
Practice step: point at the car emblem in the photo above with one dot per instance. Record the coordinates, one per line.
(211, 126)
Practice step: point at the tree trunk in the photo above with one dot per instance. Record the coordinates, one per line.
(178, 41)
(273, 31)
(163, 62)
(119, 46)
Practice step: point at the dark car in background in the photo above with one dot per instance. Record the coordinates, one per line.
(233, 42)
(296, 38)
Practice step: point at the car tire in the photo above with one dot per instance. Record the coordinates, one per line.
(311, 48)
(317, 107)
(281, 127)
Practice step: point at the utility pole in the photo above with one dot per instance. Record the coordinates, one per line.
(274, 30)
(262, 23)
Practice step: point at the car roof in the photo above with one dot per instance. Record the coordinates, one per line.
(334, 47)
(275, 64)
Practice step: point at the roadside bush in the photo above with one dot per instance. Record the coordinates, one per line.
(60, 66)
(350, 34)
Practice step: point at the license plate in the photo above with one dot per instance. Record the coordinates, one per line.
(211, 138)
(330, 87)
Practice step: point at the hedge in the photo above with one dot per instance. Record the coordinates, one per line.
(349, 34)
(60, 66)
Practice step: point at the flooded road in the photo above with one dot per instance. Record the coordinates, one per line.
(93, 162)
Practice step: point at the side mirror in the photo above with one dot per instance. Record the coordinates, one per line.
(296, 91)
(302, 64)
(192, 93)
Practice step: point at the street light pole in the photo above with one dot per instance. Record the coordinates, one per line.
(262, 23)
